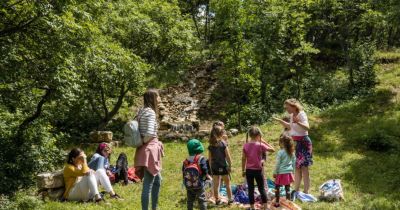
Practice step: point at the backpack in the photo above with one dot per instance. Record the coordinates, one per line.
(121, 172)
(132, 135)
(192, 173)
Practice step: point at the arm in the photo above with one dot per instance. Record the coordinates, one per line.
(278, 162)
(204, 169)
(243, 163)
(283, 123)
(209, 158)
(302, 121)
(294, 163)
(270, 148)
(228, 157)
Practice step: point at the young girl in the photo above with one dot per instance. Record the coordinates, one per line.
(252, 163)
(222, 124)
(285, 165)
(220, 162)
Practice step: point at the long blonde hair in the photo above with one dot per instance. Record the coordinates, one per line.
(253, 132)
(294, 103)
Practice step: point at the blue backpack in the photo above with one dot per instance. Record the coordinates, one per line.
(192, 174)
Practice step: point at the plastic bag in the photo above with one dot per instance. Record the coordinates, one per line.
(331, 190)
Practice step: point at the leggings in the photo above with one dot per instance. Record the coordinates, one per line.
(277, 193)
(257, 175)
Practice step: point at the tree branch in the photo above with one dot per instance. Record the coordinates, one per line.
(24, 125)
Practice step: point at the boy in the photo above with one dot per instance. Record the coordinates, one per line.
(195, 173)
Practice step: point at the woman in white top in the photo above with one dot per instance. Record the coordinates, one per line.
(299, 127)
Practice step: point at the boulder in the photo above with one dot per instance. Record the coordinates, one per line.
(234, 131)
(55, 194)
(101, 136)
(50, 180)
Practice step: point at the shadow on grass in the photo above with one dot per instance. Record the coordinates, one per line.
(368, 126)
(369, 123)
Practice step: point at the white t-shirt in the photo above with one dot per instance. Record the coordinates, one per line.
(296, 129)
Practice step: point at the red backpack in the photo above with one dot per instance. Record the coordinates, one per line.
(192, 174)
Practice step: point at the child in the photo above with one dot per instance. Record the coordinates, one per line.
(222, 124)
(252, 163)
(220, 162)
(285, 129)
(194, 174)
(285, 165)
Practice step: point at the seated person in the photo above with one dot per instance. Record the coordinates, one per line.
(100, 163)
(80, 181)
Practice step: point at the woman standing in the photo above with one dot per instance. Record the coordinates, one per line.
(148, 156)
(299, 127)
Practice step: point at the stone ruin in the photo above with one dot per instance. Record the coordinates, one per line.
(181, 104)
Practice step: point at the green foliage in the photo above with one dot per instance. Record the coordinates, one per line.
(67, 67)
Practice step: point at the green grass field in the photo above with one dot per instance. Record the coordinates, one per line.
(370, 179)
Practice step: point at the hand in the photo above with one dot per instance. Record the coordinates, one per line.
(274, 176)
(229, 169)
(244, 173)
(109, 173)
(295, 119)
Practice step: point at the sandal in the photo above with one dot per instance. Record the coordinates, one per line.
(218, 202)
(116, 196)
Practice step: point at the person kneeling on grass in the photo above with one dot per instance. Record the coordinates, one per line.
(100, 164)
(195, 173)
(80, 180)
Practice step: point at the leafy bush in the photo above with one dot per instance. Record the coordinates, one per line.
(21, 162)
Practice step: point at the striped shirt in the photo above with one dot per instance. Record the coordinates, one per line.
(147, 123)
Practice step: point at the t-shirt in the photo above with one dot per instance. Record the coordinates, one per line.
(147, 124)
(253, 152)
(296, 129)
(218, 156)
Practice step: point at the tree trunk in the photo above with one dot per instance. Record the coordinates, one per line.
(109, 115)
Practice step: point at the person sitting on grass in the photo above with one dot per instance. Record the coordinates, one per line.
(100, 164)
(195, 173)
(220, 163)
(252, 167)
(80, 181)
(285, 166)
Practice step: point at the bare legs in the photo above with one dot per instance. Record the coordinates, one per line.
(302, 173)
(217, 183)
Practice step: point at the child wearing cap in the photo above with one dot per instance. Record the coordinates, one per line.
(195, 173)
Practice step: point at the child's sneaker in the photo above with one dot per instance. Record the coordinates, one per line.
(230, 201)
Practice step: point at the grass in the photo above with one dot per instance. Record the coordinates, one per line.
(343, 138)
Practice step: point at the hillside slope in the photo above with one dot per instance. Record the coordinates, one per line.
(344, 137)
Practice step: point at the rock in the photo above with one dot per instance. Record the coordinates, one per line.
(50, 180)
(55, 194)
(203, 133)
(116, 143)
(185, 138)
(234, 131)
(101, 136)
(171, 136)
